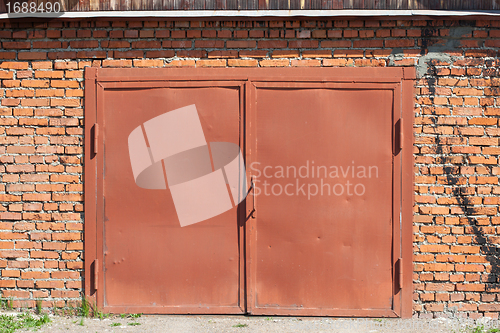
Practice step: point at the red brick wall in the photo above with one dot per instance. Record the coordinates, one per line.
(456, 264)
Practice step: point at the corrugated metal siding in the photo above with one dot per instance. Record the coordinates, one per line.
(129, 5)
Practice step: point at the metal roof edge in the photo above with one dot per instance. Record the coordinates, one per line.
(256, 14)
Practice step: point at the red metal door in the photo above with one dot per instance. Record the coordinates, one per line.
(156, 245)
(323, 168)
(150, 262)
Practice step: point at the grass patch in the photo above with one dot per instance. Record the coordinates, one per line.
(99, 314)
(90, 310)
(115, 324)
(135, 315)
(240, 325)
(38, 306)
(6, 303)
(71, 310)
(133, 324)
(9, 324)
(479, 329)
(85, 308)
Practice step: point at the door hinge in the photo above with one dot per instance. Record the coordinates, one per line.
(96, 274)
(96, 138)
(398, 267)
(399, 135)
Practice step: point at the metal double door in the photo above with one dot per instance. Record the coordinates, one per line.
(276, 192)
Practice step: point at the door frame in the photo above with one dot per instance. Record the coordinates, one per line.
(97, 79)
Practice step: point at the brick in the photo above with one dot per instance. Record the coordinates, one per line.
(253, 53)
(399, 43)
(242, 63)
(467, 92)
(35, 83)
(6, 74)
(44, 255)
(306, 63)
(36, 197)
(285, 54)
(470, 287)
(32, 275)
(370, 63)
(210, 44)
(7, 283)
(211, 63)
(13, 254)
(148, 63)
(348, 53)
(181, 63)
(49, 284)
(270, 44)
(62, 55)
(146, 44)
(337, 62)
(483, 141)
(191, 54)
(32, 55)
(223, 54)
(243, 44)
(274, 63)
(128, 54)
(91, 54)
(489, 307)
(299, 44)
(16, 45)
(117, 63)
(317, 54)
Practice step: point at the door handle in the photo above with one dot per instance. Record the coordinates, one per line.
(251, 212)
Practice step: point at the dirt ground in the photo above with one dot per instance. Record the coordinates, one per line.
(242, 324)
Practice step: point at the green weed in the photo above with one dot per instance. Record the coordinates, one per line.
(85, 308)
(479, 329)
(9, 324)
(71, 310)
(135, 315)
(98, 313)
(38, 306)
(58, 311)
(240, 325)
(115, 324)
(10, 303)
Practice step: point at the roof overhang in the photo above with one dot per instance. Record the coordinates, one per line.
(261, 14)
